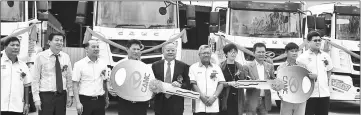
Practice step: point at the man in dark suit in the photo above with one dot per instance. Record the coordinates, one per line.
(172, 71)
(258, 101)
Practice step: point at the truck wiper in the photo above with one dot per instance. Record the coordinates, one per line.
(157, 26)
(131, 26)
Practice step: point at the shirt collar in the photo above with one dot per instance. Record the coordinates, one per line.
(288, 64)
(6, 58)
(210, 64)
(50, 53)
(311, 52)
(87, 59)
(171, 62)
(258, 64)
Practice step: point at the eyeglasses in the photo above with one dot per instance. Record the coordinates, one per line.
(317, 40)
(206, 53)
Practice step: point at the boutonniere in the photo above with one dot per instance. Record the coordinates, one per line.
(65, 68)
(22, 74)
(325, 62)
(180, 79)
(213, 75)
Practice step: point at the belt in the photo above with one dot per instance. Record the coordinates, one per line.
(54, 92)
(91, 97)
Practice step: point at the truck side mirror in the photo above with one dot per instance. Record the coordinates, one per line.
(81, 12)
(311, 22)
(191, 15)
(320, 23)
(43, 8)
(213, 22)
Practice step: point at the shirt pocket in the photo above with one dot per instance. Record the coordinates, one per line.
(86, 74)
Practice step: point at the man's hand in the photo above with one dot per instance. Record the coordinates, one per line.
(26, 109)
(69, 102)
(211, 100)
(79, 108)
(38, 105)
(112, 92)
(106, 102)
(204, 99)
(312, 76)
(176, 84)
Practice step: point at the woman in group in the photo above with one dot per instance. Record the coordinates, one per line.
(232, 99)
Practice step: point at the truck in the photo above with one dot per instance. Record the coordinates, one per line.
(151, 22)
(245, 23)
(339, 23)
(17, 16)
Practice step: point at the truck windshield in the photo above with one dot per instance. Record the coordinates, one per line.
(129, 14)
(265, 24)
(12, 11)
(347, 27)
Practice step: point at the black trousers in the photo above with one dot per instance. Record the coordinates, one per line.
(53, 103)
(10, 113)
(92, 105)
(132, 108)
(202, 113)
(169, 108)
(317, 106)
(232, 106)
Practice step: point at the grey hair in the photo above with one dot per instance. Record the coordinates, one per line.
(202, 47)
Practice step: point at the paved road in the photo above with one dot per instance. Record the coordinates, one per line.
(336, 108)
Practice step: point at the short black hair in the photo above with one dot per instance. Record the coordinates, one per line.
(11, 39)
(51, 36)
(312, 34)
(133, 41)
(258, 45)
(227, 48)
(86, 45)
(291, 46)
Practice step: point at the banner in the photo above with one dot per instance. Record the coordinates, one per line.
(130, 79)
(298, 87)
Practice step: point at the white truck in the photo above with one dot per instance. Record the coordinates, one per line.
(340, 23)
(245, 23)
(151, 22)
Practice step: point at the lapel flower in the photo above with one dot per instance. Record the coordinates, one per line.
(180, 79)
(22, 74)
(65, 68)
(213, 75)
(325, 62)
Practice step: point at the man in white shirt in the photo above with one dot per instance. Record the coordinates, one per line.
(259, 101)
(52, 85)
(15, 80)
(320, 65)
(206, 78)
(130, 107)
(89, 81)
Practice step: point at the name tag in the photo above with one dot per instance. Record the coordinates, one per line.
(199, 72)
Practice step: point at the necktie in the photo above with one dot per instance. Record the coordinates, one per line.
(59, 80)
(168, 77)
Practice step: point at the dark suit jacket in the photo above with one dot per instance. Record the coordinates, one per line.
(180, 69)
(252, 95)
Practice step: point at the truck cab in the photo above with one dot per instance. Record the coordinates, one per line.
(151, 22)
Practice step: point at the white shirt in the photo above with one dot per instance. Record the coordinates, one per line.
(12, 84)
(90, 77)
(171, 68)
(44, 76)
(260, 70)
(199, 74)
(316, 64)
